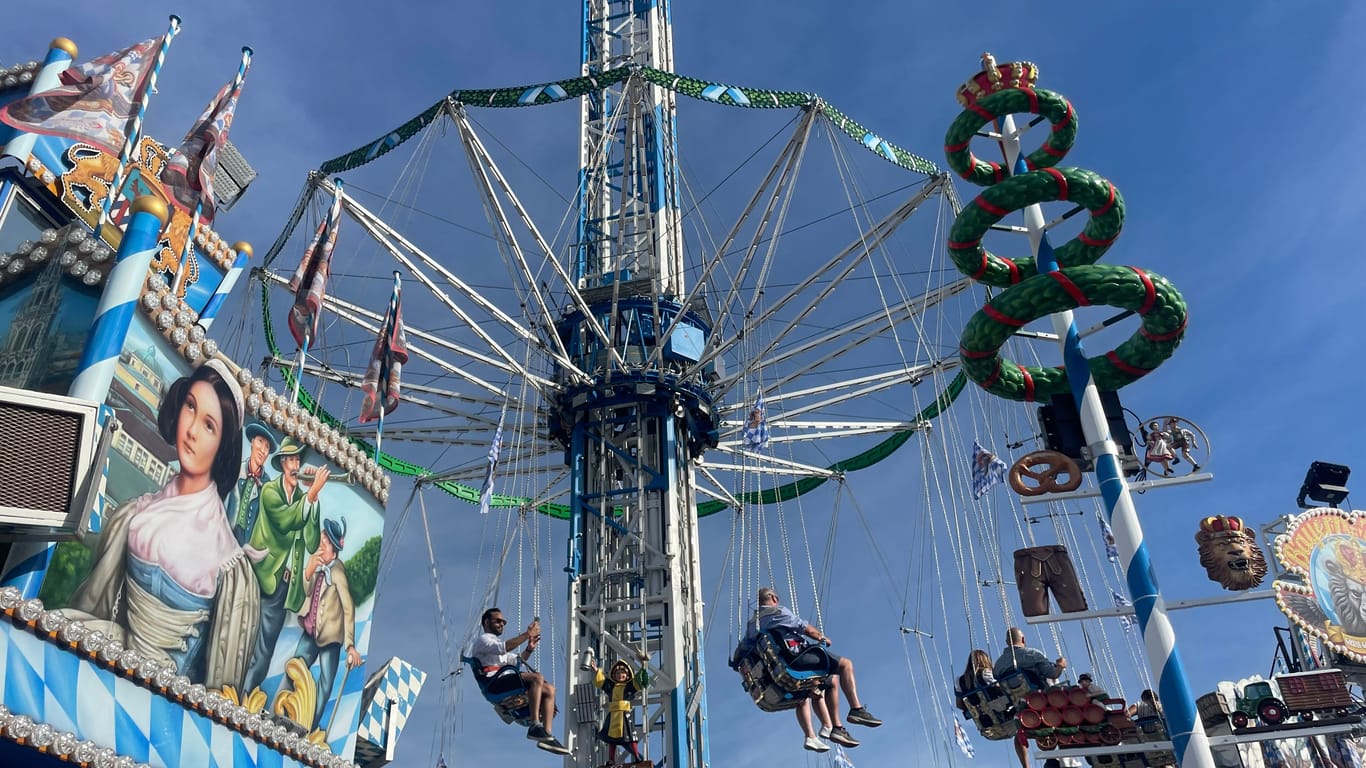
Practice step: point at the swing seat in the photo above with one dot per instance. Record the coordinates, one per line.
(505, 690)
(993, 712)
(1017, 685)
(762, 689)
(793, 664)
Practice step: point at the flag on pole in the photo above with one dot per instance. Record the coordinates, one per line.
(96, 102)
(961, 736)
(756, 427)
(188, 175)
(1127, 621)
(841, 758)
(486, 492)
(1107, 536)
(309, 282)
(381, 383)
(987, 470)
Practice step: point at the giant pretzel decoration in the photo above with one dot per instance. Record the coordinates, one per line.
(1053, 464)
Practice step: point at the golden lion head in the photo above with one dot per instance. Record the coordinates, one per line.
(1229, 554)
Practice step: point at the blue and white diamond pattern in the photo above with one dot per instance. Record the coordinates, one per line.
(72, 694)
(398, 682)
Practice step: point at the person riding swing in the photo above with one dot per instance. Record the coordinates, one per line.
(492, 654)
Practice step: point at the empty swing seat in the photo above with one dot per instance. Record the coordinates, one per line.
(505, 690)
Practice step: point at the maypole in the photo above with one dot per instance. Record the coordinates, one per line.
(1053, 283)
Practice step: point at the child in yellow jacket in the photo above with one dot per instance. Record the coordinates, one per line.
(618, 727)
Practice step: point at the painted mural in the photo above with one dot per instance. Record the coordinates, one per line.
(1324, 589)
(227, 546)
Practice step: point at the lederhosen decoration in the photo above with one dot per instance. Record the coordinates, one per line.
(1039, 569)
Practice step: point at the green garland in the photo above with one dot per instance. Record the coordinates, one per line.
(573, 88)
(1079, 281)
(468, 493)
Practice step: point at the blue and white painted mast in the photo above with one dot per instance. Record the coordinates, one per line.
(60, 54)
(1183, 723)
(214, 305)
(134, 133)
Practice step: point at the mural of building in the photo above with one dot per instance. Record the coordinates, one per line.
(28, 346)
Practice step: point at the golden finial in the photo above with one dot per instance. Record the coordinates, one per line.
(64, 44)
(153, 205)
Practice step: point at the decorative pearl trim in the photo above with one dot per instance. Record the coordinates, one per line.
(160, 678)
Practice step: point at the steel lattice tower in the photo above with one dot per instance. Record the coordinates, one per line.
(635, 428)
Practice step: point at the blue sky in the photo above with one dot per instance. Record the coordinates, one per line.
(1228, 127)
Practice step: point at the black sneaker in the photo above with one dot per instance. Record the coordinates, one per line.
(538, 732)
(861, 716)
(840, 735)
(552, 744)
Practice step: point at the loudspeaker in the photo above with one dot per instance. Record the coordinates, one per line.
(1061, 427)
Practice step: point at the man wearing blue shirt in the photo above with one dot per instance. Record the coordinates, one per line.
(771, 615)
(1036, 666)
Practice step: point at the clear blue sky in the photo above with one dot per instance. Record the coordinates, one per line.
(1229, 128)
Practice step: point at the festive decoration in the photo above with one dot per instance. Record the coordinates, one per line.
(1229, 553)
(1324, 555)
(1043, 468)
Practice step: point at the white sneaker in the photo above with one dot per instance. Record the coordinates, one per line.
(816, 745)
(825, 731)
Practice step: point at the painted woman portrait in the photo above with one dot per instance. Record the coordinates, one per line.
(169, 579)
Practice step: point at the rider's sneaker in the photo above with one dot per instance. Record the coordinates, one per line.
(553, 744)
(840, 735)
(816, 745)
(861, 716)
(825, 731)
(538, 732)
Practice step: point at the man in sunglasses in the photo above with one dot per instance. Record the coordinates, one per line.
(494, 653)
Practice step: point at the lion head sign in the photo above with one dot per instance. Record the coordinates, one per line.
(1324, 588)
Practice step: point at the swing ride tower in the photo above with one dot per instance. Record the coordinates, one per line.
(642, 416)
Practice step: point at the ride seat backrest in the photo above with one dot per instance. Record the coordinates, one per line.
(793, 665)
(505, 682)
(1017, 684)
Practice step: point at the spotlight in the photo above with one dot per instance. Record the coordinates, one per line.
(1324, 482)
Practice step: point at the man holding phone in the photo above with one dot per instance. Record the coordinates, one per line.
(493, 653)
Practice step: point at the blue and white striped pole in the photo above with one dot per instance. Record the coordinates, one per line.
(28, 561)
(132, 138)
(1178, 705)
(140, 244)
(220, 294)
(60, 53)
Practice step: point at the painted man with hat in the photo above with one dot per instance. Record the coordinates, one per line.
(244, 505)
(287, 530)
(328, 616)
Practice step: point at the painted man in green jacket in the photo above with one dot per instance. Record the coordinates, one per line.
(286, 532)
